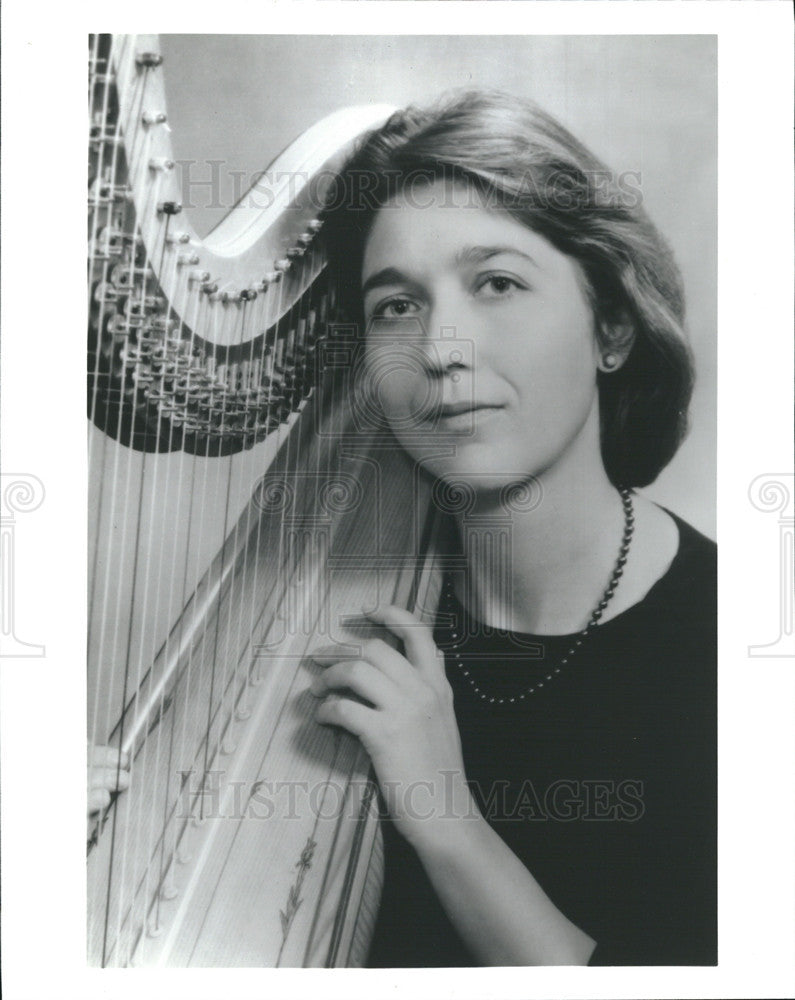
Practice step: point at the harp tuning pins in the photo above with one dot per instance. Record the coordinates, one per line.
(295, 252)
(187, 258)
(179, 237)
(235, 297)
(199, 277)
(169, 208)
(269, 279)
(154, 118)
(314, 226)
(161, 163)
(282, 265)
(148, 60)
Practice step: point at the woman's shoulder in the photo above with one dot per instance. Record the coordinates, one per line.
(666, 552)
(697, 555)
(692, 537)
(686, 593)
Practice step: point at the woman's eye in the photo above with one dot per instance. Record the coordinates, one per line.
(498, 285)
(395, 308)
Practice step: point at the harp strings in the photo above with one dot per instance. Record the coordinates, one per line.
(180, 577)
(114, 477)
(154, 231)
(156, 833)
(219, 651)
(100, 474)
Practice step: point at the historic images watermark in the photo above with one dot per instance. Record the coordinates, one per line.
(20, 493)
(773, 493)
(207, 184)
(564, 800)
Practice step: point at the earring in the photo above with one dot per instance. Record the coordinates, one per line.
(609, 361)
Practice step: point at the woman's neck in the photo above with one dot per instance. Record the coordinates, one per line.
(543, 570)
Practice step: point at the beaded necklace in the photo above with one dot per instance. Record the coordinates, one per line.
(596, 614)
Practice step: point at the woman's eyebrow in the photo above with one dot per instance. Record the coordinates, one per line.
(386, 276)
(479, 254)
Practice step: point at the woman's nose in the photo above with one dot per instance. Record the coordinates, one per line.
(447, 354)
(446, 343)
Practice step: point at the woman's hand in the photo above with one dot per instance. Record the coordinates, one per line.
(108, 771)
(409, 729)
(401, 707)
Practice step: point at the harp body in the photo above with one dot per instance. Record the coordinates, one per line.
(240, 512)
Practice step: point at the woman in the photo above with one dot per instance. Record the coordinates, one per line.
(547, 756)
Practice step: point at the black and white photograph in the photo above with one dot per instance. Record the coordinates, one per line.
(409, 628)
(417, 376)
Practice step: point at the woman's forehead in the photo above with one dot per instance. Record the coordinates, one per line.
(447, 221)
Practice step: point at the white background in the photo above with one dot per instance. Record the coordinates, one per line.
(43, 433)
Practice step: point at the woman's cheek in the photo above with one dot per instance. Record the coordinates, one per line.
(396, 383)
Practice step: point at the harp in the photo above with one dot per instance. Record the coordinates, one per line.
(240, 509)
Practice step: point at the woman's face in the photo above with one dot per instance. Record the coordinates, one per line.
(480, 342)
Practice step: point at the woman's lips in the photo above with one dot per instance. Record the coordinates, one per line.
(465, 406)
(461, 416)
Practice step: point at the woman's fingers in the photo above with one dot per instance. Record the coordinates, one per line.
(98, 798)
(109, 778)
(108, 771)
(362, 678)
(356, 718)
(102, 756)
(417, 637)
(375, 651)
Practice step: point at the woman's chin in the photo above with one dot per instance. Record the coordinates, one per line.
(461, 488)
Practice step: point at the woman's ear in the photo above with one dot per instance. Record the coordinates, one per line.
(615, 343)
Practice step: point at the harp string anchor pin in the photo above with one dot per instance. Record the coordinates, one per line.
(149, 118)
(271, 278)
(169, 208)
(148, 60)
(161, 163)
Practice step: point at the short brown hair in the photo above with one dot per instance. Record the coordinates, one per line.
(525, 163)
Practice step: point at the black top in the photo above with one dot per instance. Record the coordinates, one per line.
(603, 782)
